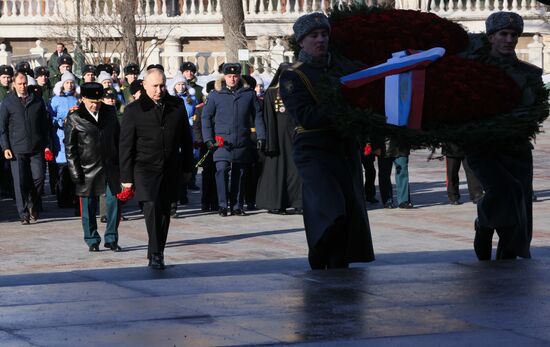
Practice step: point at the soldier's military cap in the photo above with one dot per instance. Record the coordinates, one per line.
(87, 69)
(34, 89)
(104, 67)
(210, 86)
(131, 69)
(155, 66)
(116, 68)
(25, 68)
(109, 93)
(231, 68)
(65, 59)
(309, 22)
(6, 70)
(251, 81)
(503, 20)
(188, 66)
(92, 91)
(136, 86)
(41, 71)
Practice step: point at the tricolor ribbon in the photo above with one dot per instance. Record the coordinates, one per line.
(405, 76)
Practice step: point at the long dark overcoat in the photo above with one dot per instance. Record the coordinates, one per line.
(232, 115)
(155, 147)
(91, 149)
(329, 165)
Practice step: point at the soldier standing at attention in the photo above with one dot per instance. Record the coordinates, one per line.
(335, 215)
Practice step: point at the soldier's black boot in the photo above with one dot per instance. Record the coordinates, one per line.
(483, 241)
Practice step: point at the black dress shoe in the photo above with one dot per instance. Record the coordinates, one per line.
(455, 202)
(251, 207)
(298, 211)
(406, 205)
(483, 241)
(25, 221)
(113, 246)
(157, 262)
(277, 211)
(238, 212)
(222, 212)
(94, 247)
(33, 215)
(103, 219)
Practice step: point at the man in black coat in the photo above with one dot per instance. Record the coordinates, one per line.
(91, 148)
(25, 133)
(155, 148)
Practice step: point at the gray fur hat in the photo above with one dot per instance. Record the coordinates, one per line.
(504, 20)
(309, 22)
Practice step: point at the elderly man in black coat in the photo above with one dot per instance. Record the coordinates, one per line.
(156, 151)
(91, 148)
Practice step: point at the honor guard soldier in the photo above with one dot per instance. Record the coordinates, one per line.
(506, 173)
(6, 74)
(88, 73)
(42, 76)
(131, 72)
(65, 63)
(335, 215)
(189, 70)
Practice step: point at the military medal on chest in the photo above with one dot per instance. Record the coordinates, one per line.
(279, 106)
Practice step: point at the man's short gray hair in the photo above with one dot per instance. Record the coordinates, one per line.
(153, 71)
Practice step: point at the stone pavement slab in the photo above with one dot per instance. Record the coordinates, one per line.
(245, 281)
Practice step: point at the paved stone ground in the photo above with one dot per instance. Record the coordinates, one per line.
(245, 280)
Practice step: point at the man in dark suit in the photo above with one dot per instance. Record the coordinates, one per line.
(91, 141)
(155, 153)
(25, 133)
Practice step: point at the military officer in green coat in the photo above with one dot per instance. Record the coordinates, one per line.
(6, 74)
(42, 76)
(65, 63)
(131, 72)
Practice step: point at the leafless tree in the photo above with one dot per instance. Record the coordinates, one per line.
(233, 28)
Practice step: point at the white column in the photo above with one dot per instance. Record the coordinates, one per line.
(39, 51)
(153, 53)
(277, 54)
(171, 55)
(535, 49)
(5, 56)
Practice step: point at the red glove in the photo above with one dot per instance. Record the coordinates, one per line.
(219, 141)
(367, 150)
(126, 194)
(48, 155)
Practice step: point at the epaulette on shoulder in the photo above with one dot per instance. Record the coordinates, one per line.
(296, 65)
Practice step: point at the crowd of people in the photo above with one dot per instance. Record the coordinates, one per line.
(103, 138)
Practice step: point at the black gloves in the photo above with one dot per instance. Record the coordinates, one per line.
(210, 145)
(260, 145)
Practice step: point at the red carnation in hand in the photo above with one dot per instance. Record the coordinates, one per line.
(367, 150)
(219, 141)
(126, 194)
(48, 155)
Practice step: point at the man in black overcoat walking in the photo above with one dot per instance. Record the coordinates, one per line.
(155, 154)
